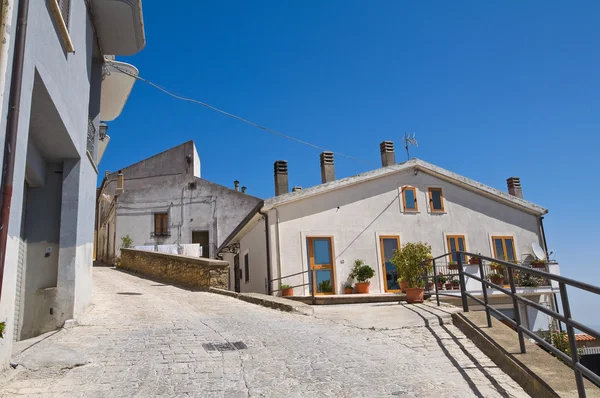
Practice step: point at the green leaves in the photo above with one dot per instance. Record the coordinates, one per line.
(361, 271)
(2, 329)
(409, 261)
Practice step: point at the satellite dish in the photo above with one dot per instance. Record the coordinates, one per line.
(537, 251)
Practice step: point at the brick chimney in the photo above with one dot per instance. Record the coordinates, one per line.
(120, 183)
(327, 167)
(281, 177)
(388, 157)
(243, 189)
(514, 187)
(236, 185)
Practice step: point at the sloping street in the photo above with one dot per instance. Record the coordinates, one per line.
(143, 338)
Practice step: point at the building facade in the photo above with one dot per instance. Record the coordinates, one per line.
(368, 217)
(51, 72)
(163, 201)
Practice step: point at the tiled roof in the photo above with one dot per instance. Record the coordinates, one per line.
(584, 337)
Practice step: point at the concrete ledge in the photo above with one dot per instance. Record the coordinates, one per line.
(264, 300)
(537, 372)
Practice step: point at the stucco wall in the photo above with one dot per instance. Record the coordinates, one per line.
(197, 273)
(208, 207)
(253, 244)
(356, 216)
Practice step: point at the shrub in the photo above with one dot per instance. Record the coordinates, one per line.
(409, 262)
(286, 286)
(126, 242)
(2, 329)
(361, 271)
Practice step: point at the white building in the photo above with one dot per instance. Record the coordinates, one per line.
(368, 216)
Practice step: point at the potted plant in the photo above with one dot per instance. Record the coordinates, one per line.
(497, 267)
(540, 264)
(325, 286)
(448, 284)
(362, 273)
(474, 260)
(441, 279)
(455, 284)
(403, 284)
(453, 265)
(496, 278)
(409, 261)
(526, 279)
(348, 289)
(287, 290)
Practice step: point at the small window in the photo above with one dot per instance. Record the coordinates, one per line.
(409, 199)
(436, 200)
(65, 9)
(246, 268)
(161, 224)
(504, 248)
(456, 243)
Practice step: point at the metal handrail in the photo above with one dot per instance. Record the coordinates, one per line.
(573, 360)
(312, 278)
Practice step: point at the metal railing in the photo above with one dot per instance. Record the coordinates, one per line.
(91, 138)
(311, 278)
(512, 268)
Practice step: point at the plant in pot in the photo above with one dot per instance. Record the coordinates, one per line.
(497, 267)
(541, 264)
(409, 261)
(455, 284)
(287, 290)
(448, 284)
(526, 279)
(325, 286)
(441, 279)
(362, 273)
(496, 278)
(453, 265)
(348, 289)
(403, 284)
(474, 260)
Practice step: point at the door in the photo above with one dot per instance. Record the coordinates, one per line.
(320, 257)
(388, 246)
(236, 272)
(201, 237)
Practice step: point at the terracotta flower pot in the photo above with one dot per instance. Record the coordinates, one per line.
(362, 287)
(538, 265)
(440, 285)
(348, 290)
(456, 286)
(287, 292)
(403, 285)
(448, 286)
(474, 261)
(498, 280)
(414, 295)
(453, 267)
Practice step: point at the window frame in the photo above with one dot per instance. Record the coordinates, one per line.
(416, 202)
(503, 238)
(158, 226)
(455, 237)
(247, 267)
(430, 197)
(62, 23)
(381, 238)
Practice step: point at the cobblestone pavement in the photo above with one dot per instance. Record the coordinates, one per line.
(142, 338)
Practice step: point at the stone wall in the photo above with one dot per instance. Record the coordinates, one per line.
(197, 273)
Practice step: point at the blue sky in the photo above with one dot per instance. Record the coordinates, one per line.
(492, 90)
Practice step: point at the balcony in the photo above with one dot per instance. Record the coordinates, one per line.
(119, 25)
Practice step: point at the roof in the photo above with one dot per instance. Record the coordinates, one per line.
(415, 164)
(584, 337)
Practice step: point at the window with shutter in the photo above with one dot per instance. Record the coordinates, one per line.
(161, 224)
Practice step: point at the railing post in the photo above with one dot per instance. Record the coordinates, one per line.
(564, 298)
(435, 283)
(312, 285)
(461, 278)
(513, 290)
(485, 295)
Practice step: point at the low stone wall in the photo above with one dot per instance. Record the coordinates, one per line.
(193, 272)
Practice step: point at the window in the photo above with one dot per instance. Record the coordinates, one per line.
(65, 8)
(436, 200)
(246, 268)
(409, 199)
(61, 10)
(388, 246)
(456, 243)
(161, 224)
(504, 248)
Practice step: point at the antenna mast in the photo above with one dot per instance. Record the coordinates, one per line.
(409, 139)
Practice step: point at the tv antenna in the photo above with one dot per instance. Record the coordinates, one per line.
(409, 139)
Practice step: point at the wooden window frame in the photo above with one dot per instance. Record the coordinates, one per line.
(504, 238)
(315, 267)
(381, 238)
(159, 229)
(414, 191)
(246, 267)
(62, 24)
(430, 196)
(456, 237)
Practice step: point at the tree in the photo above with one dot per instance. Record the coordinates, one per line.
(410, 262)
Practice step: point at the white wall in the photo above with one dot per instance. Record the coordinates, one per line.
(253, 244)
(355, 216)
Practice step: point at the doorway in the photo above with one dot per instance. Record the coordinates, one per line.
(236, 272)
(320, 259)
(388, 246)
(201, 237)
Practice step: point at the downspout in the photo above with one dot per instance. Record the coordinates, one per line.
(268, 248)
(544, 237)
(278, 244)
(12, 128)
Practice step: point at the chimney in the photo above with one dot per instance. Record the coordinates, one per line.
(120, 182)
(327, 168)
(514, 187)
(388, 157)
(106, 173)
(281, 177)
(236, 185)
(295, 189)
(243, 189)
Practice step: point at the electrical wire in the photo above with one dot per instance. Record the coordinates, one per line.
(258, 126)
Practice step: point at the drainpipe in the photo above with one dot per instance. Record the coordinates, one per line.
(12, 128)
(544, 237)
(268, 248)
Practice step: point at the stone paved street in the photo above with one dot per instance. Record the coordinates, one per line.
(142, 338)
